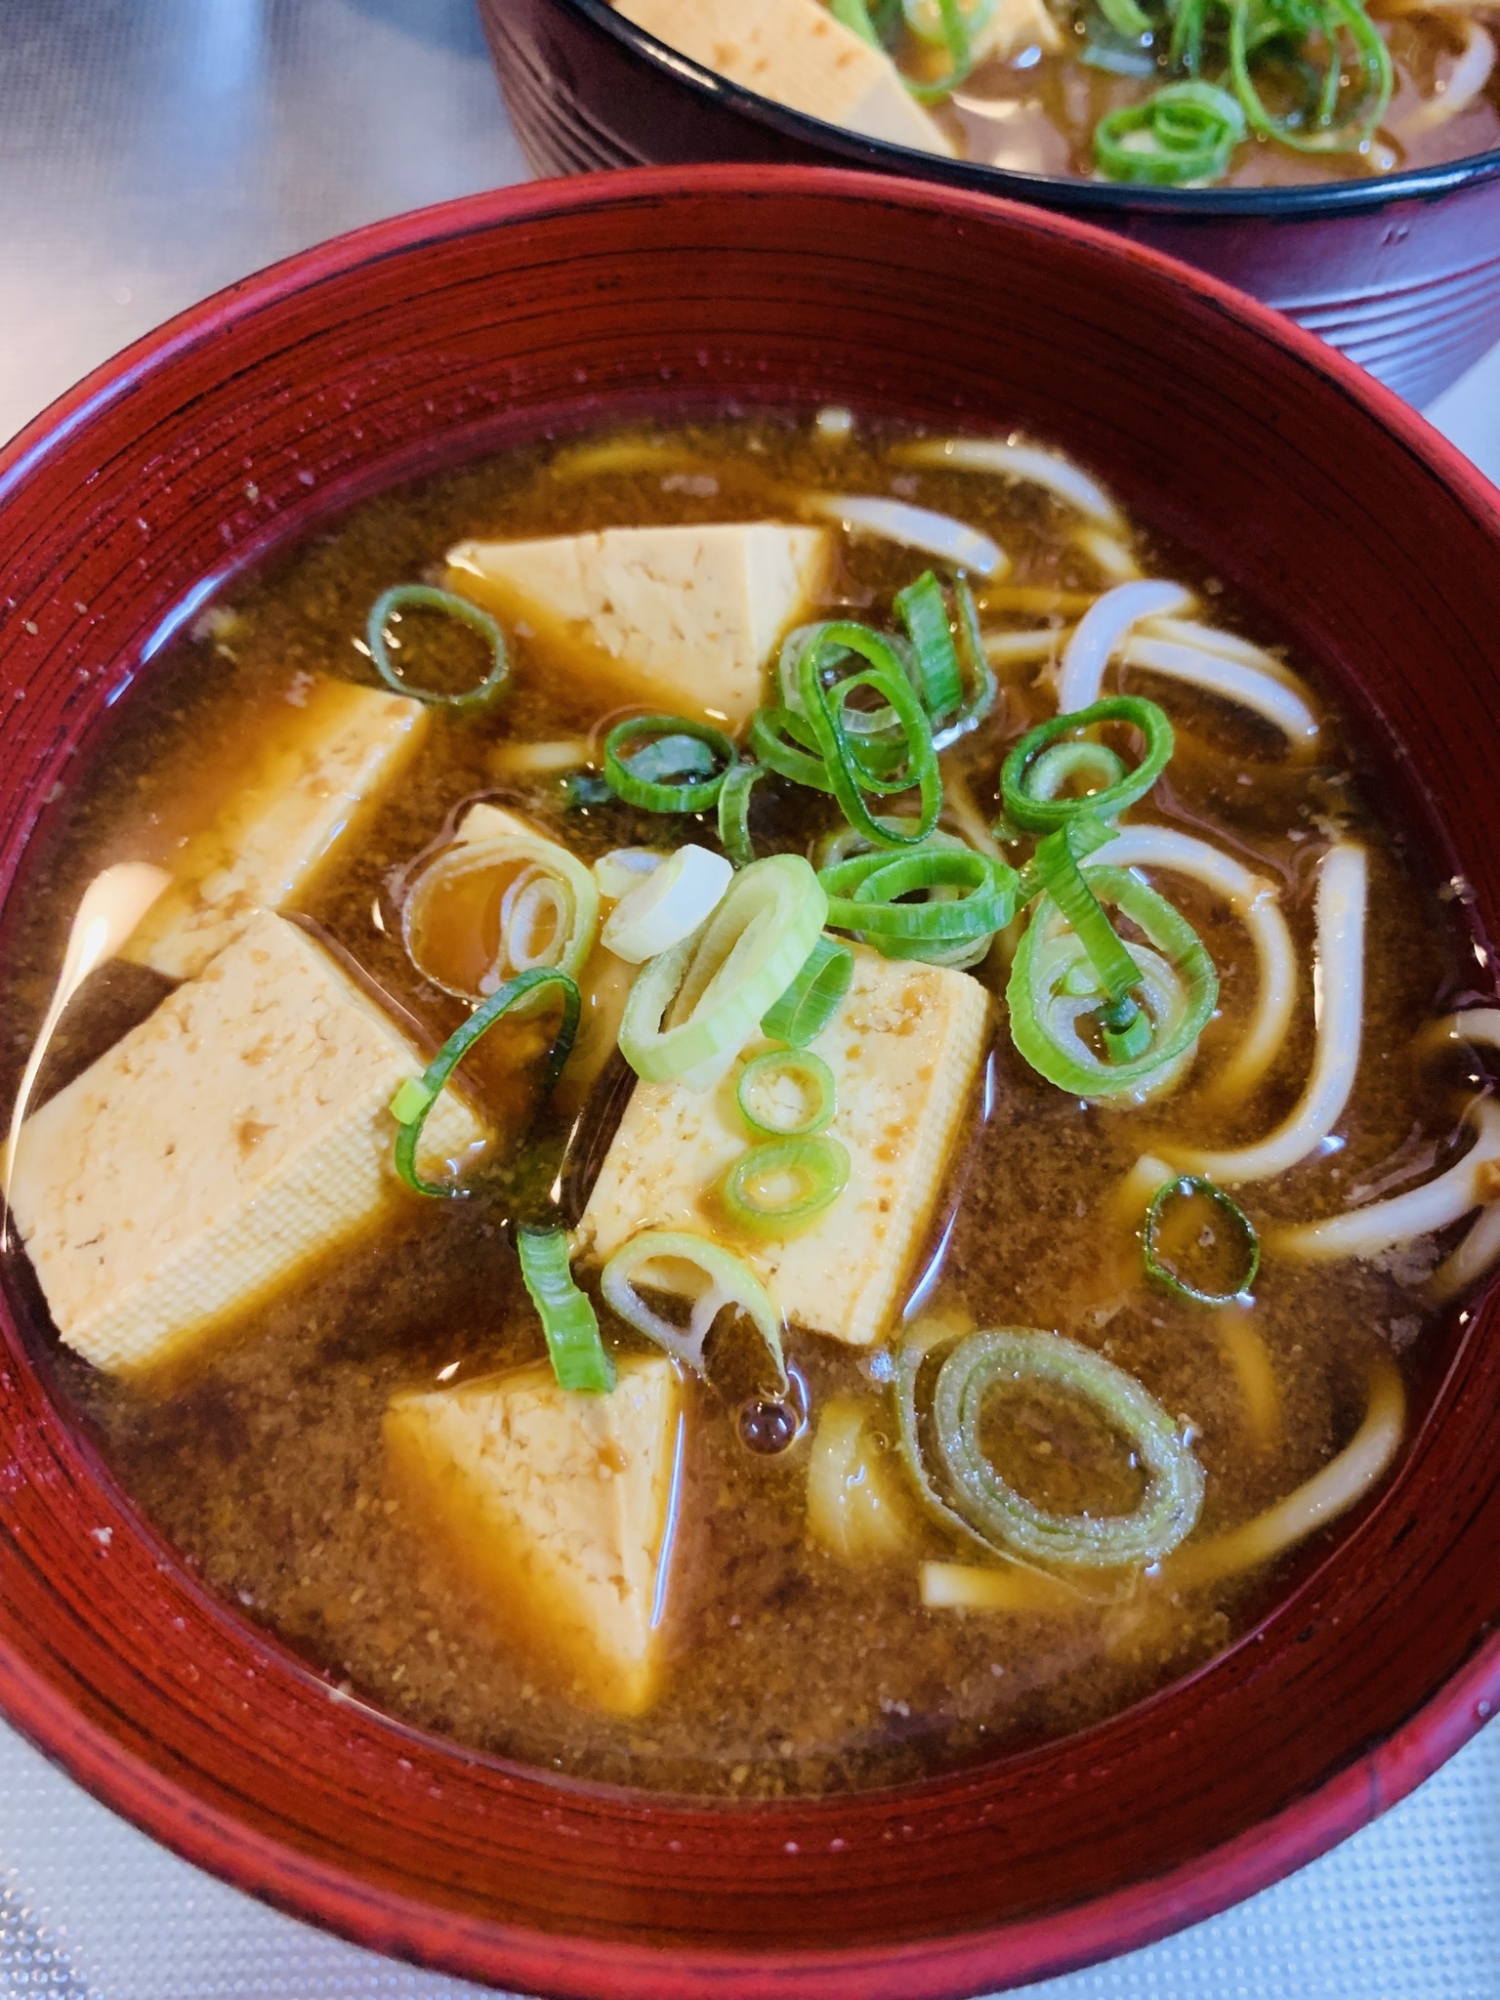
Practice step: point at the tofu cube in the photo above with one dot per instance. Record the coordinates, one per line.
(795, 52)
(1017, 24)
(306, 784)
(904, 1050)
(558, 1510)
(684, 618)
(237, 1133)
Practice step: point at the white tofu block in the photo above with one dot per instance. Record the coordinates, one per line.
(795, 52)
(306, 782)
(904, 1050)
(558, 1508)
(685, 617)
(236, 1134)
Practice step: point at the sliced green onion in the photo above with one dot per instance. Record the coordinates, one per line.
(1185, 132)
(710, 1276)
(814, 996)
(668, 906)
(1054, 985)
(925, 19)
(779, 1187)
(1037, 808)
(959, 43)
(856, 15)
(976, 896)
(1061, 878)
(1312, 129)
(976, 667)
(667, 763)
(548, 916)
(1192, 1187)
(851, 774)
(416, 1097)
(720, 983)
(765, 1110)
(624, 869)
(579, 1358)
(984, 1505)
(773, 743)
(734, 811)
(921, 609)
(1078, 758)
(388, 609)
(1126, 18)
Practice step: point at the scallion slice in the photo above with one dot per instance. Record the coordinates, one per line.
(416, 1097)
(668, 906)
(1184, 133)
(1029, 783)
(921, 609)
(765, 1109)
(849, 766)
(548, 913)
(388, 610)
(778, 1188)
(734, 811)
(667, 763)
(983, 1504)
(773, 742)
(708, 1275)
(718, 984)
(579, 1358)
(970, 897)
(1193, 1188)
(814, 996)
(1055, 986)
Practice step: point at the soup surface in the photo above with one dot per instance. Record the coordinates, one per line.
(1193, 93)
(806, 1616)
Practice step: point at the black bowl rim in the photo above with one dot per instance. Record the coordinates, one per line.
(1100, 199)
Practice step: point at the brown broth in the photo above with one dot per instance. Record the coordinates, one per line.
(789, 1671)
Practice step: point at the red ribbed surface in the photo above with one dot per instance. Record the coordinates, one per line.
(1409, 288)
(1300, 482)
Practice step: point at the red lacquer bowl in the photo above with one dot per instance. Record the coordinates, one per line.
(442, 334)
(1402, 274)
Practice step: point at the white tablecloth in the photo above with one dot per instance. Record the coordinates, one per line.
(151, 151)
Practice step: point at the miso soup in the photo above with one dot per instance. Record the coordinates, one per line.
(785, 1111)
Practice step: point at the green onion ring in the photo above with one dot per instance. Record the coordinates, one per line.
(1061, 879)
(1377, 73)
(850, 775)
(734, 811)
(988, 1507)
(1042, 814)
(862, 893)
(643, 789)
(424, 597)
(984, 687)
(819, 1167)
(720, 982)
(814, 996)
(1186, 1188)
(416, 1097)
(809, 1071)
(769, 730)
(921, 609)
(960, 56)
(542, 869)
(1191, 129)
(579, 1358)
(730, 1282)
(1178, 986)
(1078, 757)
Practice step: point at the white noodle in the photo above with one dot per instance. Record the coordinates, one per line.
(1365, 1232)
(1246, 686)
(914, 528)
(1480, 1248)
(568, 753)
(1103, 628)
(1113, 556)
(1254, 901)
(1455, 92)
(1014, 649)
(1025, 462)
(1338, 999)
(1227, 645)
(1321, 1499)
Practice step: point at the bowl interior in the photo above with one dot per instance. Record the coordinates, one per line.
(424, 341)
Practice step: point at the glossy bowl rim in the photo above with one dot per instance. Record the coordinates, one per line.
(1104, 199)
(934, 1968)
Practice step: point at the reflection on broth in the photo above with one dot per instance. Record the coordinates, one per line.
(823, 1181)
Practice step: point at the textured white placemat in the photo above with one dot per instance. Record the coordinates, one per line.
(1407, 1910)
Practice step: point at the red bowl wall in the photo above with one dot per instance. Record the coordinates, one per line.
(416, 342)
(1403, 277)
